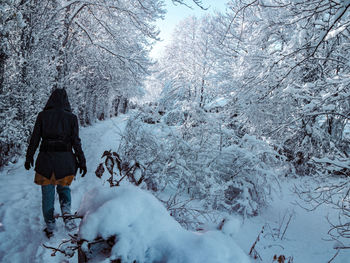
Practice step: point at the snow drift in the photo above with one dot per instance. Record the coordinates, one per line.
(145, 231)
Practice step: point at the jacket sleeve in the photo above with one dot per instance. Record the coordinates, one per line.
(76, 143)
(34, 140)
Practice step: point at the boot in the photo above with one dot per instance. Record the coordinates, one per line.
(69, 222)
(48, 233)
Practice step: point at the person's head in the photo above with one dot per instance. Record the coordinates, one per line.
(58, 99)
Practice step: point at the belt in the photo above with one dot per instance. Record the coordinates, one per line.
(55, 146)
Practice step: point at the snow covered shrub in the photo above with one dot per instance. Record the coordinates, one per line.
(8, 152)
(244, 172)
(149, 114)
(203, 160)
(174, 117)
(307, 149)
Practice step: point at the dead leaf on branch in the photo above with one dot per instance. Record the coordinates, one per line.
(106, 153)
(109, 163)
(100, 170)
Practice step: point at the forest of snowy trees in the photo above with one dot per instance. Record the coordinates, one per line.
(282, 67)
(246, 96)
(96, 50)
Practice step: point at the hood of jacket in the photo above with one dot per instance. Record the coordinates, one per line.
(58, 100)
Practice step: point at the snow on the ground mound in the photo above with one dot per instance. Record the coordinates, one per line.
(147, 233)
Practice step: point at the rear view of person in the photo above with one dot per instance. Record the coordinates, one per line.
(56, 165)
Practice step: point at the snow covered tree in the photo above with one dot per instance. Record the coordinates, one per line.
(286, 63)
(188, 62)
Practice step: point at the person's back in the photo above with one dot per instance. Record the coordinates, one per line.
(56, 124)
(57, 128)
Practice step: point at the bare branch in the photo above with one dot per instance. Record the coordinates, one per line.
(197, 2)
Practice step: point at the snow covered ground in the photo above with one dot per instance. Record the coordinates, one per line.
(21, 237)
(305, 238)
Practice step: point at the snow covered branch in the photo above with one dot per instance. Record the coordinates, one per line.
(335, 19)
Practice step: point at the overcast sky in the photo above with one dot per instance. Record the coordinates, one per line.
(176, 13)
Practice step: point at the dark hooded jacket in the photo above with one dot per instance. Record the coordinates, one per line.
(57, 129)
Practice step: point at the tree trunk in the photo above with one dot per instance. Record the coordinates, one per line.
(124, 106)
(201, 102)
(3, 58)
(116, 103)
(62, 66)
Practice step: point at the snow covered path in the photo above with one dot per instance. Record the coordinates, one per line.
(21, 234)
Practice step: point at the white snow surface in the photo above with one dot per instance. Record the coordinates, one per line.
(146, 232)
(144, 225)
(217, 103)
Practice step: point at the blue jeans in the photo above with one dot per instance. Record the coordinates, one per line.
(48, 202)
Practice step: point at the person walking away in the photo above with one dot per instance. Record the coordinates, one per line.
(56, 165)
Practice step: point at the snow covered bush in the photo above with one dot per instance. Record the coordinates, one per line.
(8, 152)
(143, 231)
(309, 148)
(204, 160)
(245, 172)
